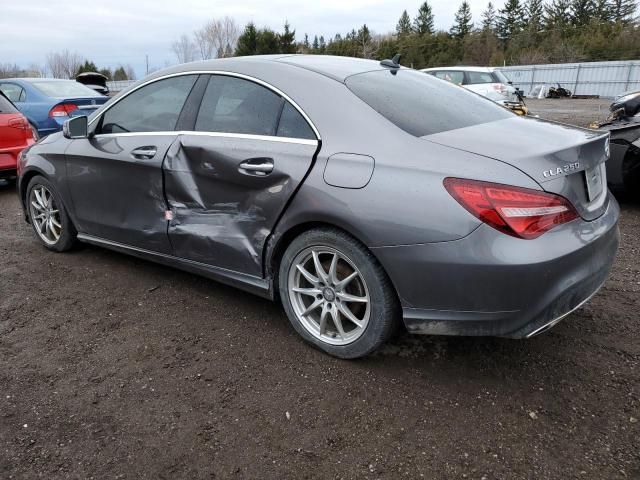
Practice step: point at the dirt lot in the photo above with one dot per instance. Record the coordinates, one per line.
(112, 367)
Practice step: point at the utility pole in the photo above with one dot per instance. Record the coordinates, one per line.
(147, 59)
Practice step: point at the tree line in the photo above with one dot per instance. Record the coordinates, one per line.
(521, 32)
(67, 65)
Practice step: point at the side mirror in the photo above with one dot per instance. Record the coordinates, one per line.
(75, 127)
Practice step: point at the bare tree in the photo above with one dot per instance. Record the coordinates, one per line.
(64, 64)
(131, 73)
(184, 49)
(205, 39)
(229, 32)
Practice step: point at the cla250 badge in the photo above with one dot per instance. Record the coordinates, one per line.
(570, 167)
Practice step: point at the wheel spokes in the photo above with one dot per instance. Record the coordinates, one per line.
(348, 314)
(347, 297)
(312, 279)
(322, 275)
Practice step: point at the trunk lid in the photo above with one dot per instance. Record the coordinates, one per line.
(564, 160)
(86, 106)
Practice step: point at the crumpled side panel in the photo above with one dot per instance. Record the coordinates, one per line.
(222, 216)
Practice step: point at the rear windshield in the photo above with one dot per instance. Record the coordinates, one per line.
(421, 104)
(67, 88)
(6, 106)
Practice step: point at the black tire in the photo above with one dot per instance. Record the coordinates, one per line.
(631, 175)
(384, 308)
(68, 235)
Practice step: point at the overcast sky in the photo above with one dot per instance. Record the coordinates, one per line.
(112, 32)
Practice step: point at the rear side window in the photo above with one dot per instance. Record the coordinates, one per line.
(13, 92)
(422, 105)
(6, 106)
(479, 77)
(152, 108)
(235, 105)
(451, 76)
(293, 125)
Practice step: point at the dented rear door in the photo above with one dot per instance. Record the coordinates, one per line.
(229, 180)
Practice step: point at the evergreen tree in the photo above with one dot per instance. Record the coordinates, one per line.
(423, 23)
(557, 15)
(623, 11)
(489, 18)
(535, 15)
(463, 23)
(322, 44)
(582, 11)
(268, 42)
(510, 20)
(87, 67)
(248, 41)
(404, 25)
(287, 40)
(106, 72)
(305, 43)
(120, 74)
(602, 11)
(316, 44)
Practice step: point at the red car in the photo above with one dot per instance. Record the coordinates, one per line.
(15, 135)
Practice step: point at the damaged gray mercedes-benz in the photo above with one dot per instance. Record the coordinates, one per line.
(363, 195)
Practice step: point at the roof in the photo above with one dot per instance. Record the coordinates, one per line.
(337, 68)
(37, 79)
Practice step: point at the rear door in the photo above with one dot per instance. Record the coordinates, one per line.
(228, 180)
(115, 176)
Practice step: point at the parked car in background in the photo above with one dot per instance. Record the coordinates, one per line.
(95, 81)
(486, 81)
(15, 136)
(623, 125)
(466, 220)
(47, 103)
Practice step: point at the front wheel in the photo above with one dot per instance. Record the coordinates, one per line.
(48, 215)
(336, 294)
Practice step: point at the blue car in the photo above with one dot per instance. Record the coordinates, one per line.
(48, 103)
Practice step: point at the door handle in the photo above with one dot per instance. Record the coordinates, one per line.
(257, 166)
(144, 153)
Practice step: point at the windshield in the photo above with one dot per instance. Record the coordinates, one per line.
(501, 77)
(62, 88)
(421, 104)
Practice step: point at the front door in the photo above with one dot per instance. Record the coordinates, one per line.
(228, 182)
(115, 176)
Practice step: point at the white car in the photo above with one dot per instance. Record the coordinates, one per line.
(486, 81)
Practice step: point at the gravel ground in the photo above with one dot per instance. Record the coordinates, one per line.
(112, 367)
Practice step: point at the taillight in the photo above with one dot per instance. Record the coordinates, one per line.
(516, 211)
(20, 123)
(62, 110)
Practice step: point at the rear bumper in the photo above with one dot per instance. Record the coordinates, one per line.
(492, 284)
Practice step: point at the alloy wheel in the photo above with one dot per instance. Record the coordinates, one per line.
(45, 215)
(329, 295)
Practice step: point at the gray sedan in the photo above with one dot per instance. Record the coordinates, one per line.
(362, 195)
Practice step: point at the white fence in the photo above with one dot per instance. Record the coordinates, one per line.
(117, 86)
(606, 79)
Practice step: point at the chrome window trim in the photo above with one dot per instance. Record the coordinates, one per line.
(245, 136)
(214, 72)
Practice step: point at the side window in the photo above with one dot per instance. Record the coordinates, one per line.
(13, 92)
(293, 125)
(235, 105)
(479, 77)
(451, 76)
(153, 108)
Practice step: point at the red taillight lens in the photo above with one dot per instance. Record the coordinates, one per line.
(21, 123)
(62, 110)
(516, 211)
(499, 87)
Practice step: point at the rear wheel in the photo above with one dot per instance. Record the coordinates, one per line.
(336, 295)
(48, 216)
